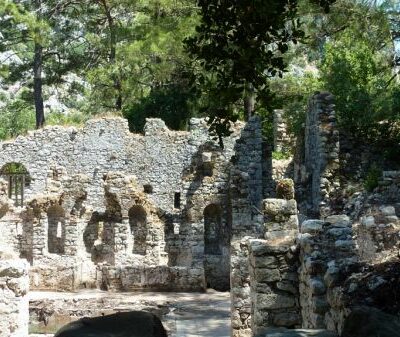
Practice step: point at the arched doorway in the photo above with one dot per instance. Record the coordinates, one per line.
(212, 229)
(138, 226)
(18, 179)
(216, 252)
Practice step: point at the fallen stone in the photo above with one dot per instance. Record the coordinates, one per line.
(370, 322)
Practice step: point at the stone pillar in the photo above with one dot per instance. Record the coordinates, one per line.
(273, 269)
(317, 157)
(39, 238)
(246, 192)
(323, 246)
(282, 140)
(14, 304)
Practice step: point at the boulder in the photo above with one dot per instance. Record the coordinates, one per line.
(370, 322)
(122, 324)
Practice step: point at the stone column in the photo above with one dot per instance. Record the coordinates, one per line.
(14, 304)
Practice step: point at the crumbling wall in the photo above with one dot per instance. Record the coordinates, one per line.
(324, 245)
(317, 158)
(283, 142)
(103, 200)
(14, 305)
(273, 269)
(247, 218)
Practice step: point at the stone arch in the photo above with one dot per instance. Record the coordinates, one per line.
(212, 229)
(56, 230)
(99, 238)
(18, 179)
(138, 225)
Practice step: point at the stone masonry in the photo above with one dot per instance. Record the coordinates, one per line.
(317, 157)
(14, 285)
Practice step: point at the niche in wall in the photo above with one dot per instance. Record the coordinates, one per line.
(138, 226)
(56, 230)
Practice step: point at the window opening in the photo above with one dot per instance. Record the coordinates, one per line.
(177, 200)
(18, 179)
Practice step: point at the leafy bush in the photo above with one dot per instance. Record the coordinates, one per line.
(372, 178)
(281, 155)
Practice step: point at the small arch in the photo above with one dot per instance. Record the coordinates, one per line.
(18, 179)
(56, 230)
(138, 226)
(212, 229)
(99, 238)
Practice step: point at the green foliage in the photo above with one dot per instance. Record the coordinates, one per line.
(16, 118)
(292, 94)
(171, 104)
(72, 118)
(241, 46)
(13, 168)
(372, 178)
(280, 155)
(357, 77)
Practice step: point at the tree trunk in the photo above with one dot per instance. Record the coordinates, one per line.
(249, 101)
(37, 78)
(113, 53)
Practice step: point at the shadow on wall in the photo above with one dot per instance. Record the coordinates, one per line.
(138, 225)
(99, 238)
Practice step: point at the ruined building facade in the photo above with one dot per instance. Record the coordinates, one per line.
(102, 207)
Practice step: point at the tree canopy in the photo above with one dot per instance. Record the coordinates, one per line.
(64, 61)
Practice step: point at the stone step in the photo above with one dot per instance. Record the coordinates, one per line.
(283, 332)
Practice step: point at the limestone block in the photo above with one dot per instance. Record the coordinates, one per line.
(275, 207)
(388, 210)
(339, 220)
(312, 226)
(267, 275)
(274, 301)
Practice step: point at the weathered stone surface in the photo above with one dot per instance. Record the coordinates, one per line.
(275, 301)
(312, 226)
(14, 306)
(274, 207)
(281, 332)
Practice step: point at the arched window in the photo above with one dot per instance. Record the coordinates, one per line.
(56, 230)
(212, 230)
(138, 225)
(18, 179)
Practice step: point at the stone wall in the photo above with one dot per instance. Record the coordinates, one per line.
(247, 218)
(14, 306)
(101, 198)
(317, 158)
(273, 269)
(283, 142)
(324, 245)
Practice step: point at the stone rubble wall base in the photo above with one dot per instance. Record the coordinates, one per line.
(14, 304)
(326, 250)
(273, 269)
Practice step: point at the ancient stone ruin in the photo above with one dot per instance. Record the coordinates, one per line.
(102, 208)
